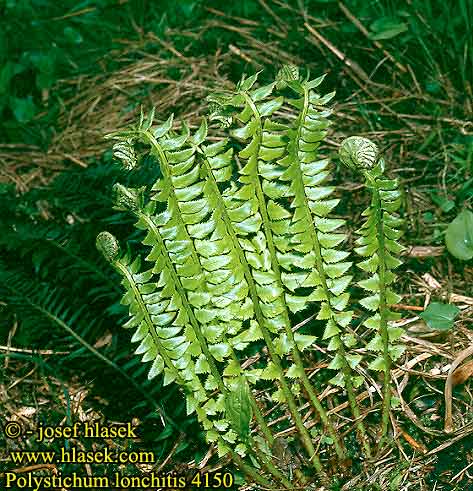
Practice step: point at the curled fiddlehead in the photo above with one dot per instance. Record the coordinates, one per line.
(359, 153)
(108, 245)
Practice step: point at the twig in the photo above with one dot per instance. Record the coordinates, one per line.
(461, 472)
(31, 468)
(401, 306)
(419, 447)
(74, 14)
(467, 430)
(362, 28)
(33, 352)
(348, 62)
(424, 251)
(11, 333)
(273, 15)
(75, 160)
(239, 53)
(449, 387)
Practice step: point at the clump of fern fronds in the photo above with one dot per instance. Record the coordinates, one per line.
(240, 240)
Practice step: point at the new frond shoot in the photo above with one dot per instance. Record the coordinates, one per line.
(378, 246)
(238, 244)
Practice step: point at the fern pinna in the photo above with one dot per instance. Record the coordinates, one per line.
(240, 242)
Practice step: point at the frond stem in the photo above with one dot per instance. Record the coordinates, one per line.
(383, 312)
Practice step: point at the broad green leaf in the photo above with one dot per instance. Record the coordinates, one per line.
(303, 341)
(156, 368)
(211, 436)
(459, 236)
(149, 120)
(241, 449)
(331, 329)
(169, 376)
(232, 369)
(238, 408)
(378, 364)
(387, 28)
(395, 333)
(161, 130)
(370, 303)
(349, 340)
(276, 211)
(145, 345)
(338, 380)
(211, 383)
(325, 312)
(210, 407)
(267, 108)
(140, 333)
(230, 436)
(376, 344)
(336, 363)
(191, 404)
(295, 303)
(200, 135)
(247, 83)
(271, 372)
(395, 352)
(23, 109)
(371, 284)
(440, 316)
(294, 371)
(353, 360)
(219, 351)
(176, 142)
(215, 148)
(262, 92)
(283, 345)
(370, 265)
(279, 396)
(357, 381)
(334, 344)
(317, 81)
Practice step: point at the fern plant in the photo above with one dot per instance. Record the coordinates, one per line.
(241, 242)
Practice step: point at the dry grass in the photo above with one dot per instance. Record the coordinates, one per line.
(96, 105)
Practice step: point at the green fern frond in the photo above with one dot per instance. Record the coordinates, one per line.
(38, 305)
(377, 243)
(311, 239)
